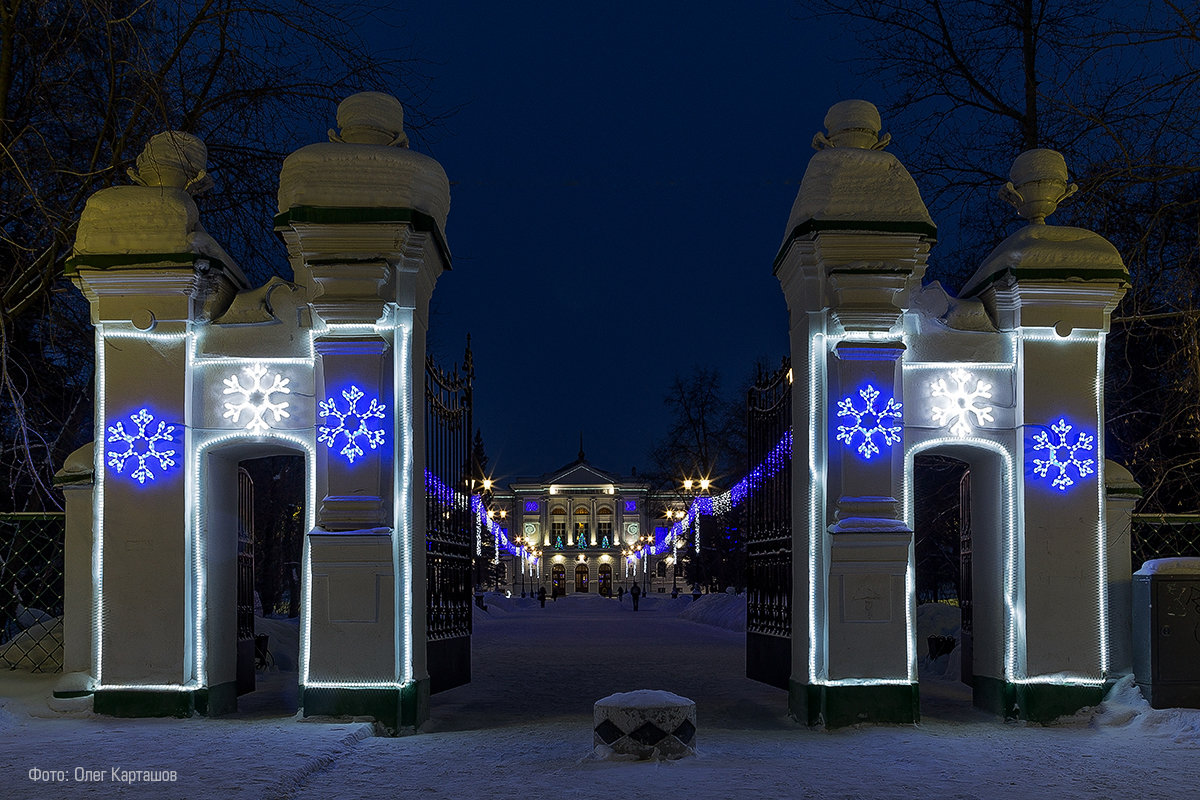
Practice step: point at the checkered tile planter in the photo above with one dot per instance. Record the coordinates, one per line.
(646, 724)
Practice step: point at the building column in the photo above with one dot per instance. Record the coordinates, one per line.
(363, 217)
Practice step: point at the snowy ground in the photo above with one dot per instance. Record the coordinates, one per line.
(522, 728)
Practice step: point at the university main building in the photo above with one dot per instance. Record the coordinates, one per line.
(587, 523)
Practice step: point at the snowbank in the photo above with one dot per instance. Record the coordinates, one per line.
(1125, 709)
(939, 619)
(726, 611)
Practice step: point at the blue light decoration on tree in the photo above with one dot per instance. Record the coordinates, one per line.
(1062, 455)
(141, 447)
(558, 543)
(869, 422)
(346, 427)
(604, 543)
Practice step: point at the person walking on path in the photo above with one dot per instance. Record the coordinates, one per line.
(635, 593)
(542, 596)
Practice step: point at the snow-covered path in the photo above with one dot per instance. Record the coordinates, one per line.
(522, 728)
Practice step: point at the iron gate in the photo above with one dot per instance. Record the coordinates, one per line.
(449, 539)
(769, 534)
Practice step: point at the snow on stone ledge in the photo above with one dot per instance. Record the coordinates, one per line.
(644, 698)
(1170, 566)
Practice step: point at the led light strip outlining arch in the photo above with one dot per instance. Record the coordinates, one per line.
(1013, 619)
(198, 537)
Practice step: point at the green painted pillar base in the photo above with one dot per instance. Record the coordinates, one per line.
(397, 709)
(210, 702)
(839, 705)
(1035, 702)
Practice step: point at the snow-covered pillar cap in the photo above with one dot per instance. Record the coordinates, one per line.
(370, 118)
(852, 123)
(1037, 183)
(173, 160)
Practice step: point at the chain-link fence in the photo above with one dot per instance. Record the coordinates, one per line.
(31, 591)
(1164, 536)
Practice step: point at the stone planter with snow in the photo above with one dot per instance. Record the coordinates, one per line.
(645, 724)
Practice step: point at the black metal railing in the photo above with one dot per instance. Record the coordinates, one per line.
(450, 531)
(769, 533)
(31, 590)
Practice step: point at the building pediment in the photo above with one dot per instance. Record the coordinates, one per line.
(582, 475)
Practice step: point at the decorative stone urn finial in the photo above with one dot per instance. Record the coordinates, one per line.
(371, 118)
(174, 160)
(852, 123)
(1037, 184)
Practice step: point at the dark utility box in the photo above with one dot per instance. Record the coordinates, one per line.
(1166, 632)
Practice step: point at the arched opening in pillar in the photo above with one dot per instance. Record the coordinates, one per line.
(960, 511)
(257, 497)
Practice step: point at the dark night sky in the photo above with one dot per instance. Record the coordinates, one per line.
(621, 179)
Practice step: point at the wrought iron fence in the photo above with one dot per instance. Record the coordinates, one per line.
(1164, 536)
(449, 532)
(31, 590)
(769, 533)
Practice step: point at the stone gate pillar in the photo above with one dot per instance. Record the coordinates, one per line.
(857, 243)
(150, 272)
(1054, 288)
(363, 218)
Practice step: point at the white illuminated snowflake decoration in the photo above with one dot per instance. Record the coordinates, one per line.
(346, 426)
(1063, 455)
(256, 398)
(141, 446)
(961, 403)
(869, 422)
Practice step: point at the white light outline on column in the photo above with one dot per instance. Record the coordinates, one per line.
(817, 349)
(402, 506)
(98, 513)
(103, 334)
(1098, 337)
(816, 527)
(404, 609)
(1102, 507)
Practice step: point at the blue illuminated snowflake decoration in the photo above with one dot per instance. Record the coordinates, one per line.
(141, 447)
(869, 422)
(1063, 456)
(346, 426)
